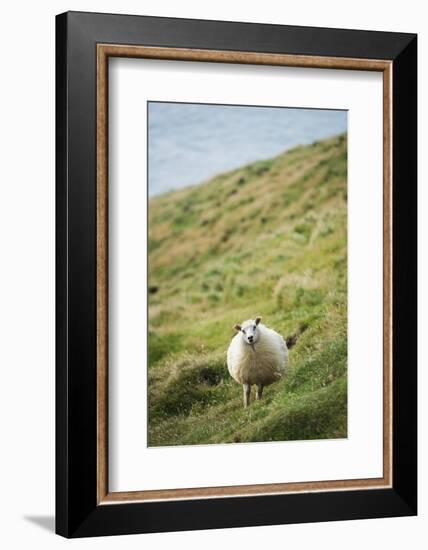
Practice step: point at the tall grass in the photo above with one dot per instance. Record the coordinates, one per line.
(270, 239)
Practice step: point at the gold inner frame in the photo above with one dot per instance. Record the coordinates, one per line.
(104, 51)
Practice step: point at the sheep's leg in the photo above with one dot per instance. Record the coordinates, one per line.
(259, 391)
(247, 393)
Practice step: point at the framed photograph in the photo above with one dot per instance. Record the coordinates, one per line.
(236, 274)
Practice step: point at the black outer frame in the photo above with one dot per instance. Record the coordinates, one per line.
(77, 513)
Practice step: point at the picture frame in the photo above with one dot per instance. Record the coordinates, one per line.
(84, 44)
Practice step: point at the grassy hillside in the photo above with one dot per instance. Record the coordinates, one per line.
(267, 239)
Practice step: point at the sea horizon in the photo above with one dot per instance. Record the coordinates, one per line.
(192, 143)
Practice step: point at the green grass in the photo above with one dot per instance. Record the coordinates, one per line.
(268, 239)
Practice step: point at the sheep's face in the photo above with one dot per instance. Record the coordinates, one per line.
(249, 330)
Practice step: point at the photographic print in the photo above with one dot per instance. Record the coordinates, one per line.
(247, 274)
(230, 240)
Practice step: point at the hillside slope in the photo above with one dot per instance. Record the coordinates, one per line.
(267, 239)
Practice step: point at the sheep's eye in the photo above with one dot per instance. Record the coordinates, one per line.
(254, 327)
(243, 331)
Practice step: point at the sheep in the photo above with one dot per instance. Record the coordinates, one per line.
(256, 355)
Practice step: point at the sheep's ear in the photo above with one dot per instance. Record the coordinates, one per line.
(237, 328)
(258, 319)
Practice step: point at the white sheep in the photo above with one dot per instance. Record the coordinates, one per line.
(256, 355)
